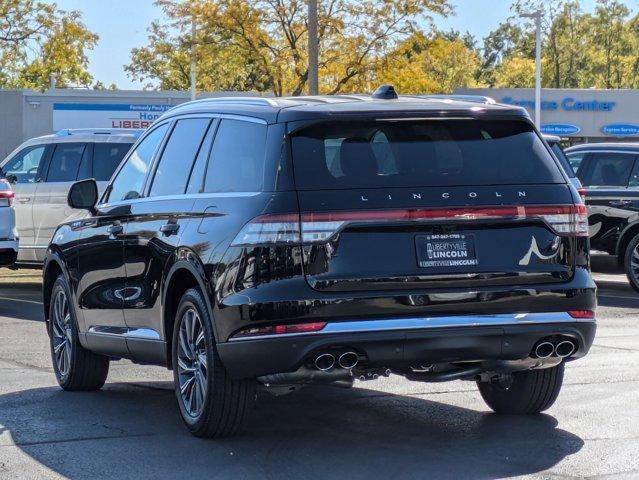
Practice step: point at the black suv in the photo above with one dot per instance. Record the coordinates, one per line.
(294, 241)
(610, 174)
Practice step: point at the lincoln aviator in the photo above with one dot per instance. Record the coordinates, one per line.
(282, 243)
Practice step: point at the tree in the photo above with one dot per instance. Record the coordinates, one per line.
(37, 40)
(515, 72)
(508, 39)
(264, 42)
(421, 65)
(611, 43)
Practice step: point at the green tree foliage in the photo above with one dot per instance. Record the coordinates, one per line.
(580, 49)
(37, 40)
(262, 44)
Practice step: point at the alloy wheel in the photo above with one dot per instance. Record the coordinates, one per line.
(62, 333)
(192, 362)
(634, 264)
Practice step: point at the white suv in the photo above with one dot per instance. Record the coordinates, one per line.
(8, 234)
(42, 170)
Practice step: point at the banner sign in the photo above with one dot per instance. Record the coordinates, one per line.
(105, 115)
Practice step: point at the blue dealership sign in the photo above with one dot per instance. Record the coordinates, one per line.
(560, 129)
(621, 130)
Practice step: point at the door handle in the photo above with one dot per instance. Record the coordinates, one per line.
(169, 228)
(23, 199)
(620, 203)
(115, 229)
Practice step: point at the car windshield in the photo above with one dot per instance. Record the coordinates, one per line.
(456, 152)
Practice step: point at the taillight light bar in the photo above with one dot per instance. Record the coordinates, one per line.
(280, 330)
(566, 220)
(578, 314)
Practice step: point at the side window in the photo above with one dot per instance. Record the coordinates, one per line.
(129, 181)
(609, 169)
(23, 167)
(196, 180)
(65, 162)
(106, 158)
(575, 160)
(237, 158)
(634, 176)
(174, 167)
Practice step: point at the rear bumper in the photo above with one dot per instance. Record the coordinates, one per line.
(8, 252)
(401, 342)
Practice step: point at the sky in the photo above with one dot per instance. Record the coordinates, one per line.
(122, 26)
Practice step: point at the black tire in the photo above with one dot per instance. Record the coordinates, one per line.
(528, 392)
(632, 272)
(226, 402)
(82, 370)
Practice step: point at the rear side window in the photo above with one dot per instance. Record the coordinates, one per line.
(172, 173)
(236, 163)
(609, 169)
(106, 158)
(420, 153)
(65, 162)
(563, 160)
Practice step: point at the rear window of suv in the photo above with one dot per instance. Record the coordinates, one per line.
(421, 153)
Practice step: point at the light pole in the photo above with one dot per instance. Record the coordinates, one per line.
(537, 17)
(193, 67)
(313, 56)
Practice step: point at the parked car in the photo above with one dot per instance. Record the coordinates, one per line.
(554, 143)
(293, 241)
(42, 169)
(610, 174)
(8, 234)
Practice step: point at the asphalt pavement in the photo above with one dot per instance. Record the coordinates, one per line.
(390, 428)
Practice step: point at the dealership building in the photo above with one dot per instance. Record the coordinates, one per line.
(26, 114)
(577, 115)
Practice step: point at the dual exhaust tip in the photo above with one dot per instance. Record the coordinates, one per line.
(562, 349)
(326, 361)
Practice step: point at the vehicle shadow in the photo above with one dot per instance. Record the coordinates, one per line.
(132, 430)
(21, 301)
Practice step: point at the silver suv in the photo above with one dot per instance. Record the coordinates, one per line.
(42, 170)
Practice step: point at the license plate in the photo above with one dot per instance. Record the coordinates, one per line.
(452, 250)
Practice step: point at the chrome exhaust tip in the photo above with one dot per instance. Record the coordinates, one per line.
(324, 362)
(544, 350)
(348, 360)
(565, 349)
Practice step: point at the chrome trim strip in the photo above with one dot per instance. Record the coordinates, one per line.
(125, 332)
(186, 196)
(424, 323)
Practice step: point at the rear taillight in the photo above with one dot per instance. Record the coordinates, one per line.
(270, 229)
(567, 220)
(6, 193)
(581, 314)
(280, 330)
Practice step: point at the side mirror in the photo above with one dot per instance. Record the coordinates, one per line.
(83, 195)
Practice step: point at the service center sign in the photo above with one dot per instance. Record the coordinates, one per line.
(105, 115)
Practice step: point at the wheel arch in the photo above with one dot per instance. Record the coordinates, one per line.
(625, 238)
(186, 272)
(53, 267)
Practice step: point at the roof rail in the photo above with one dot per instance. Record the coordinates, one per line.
(241, 100)
(66, 132)
(461, 98)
